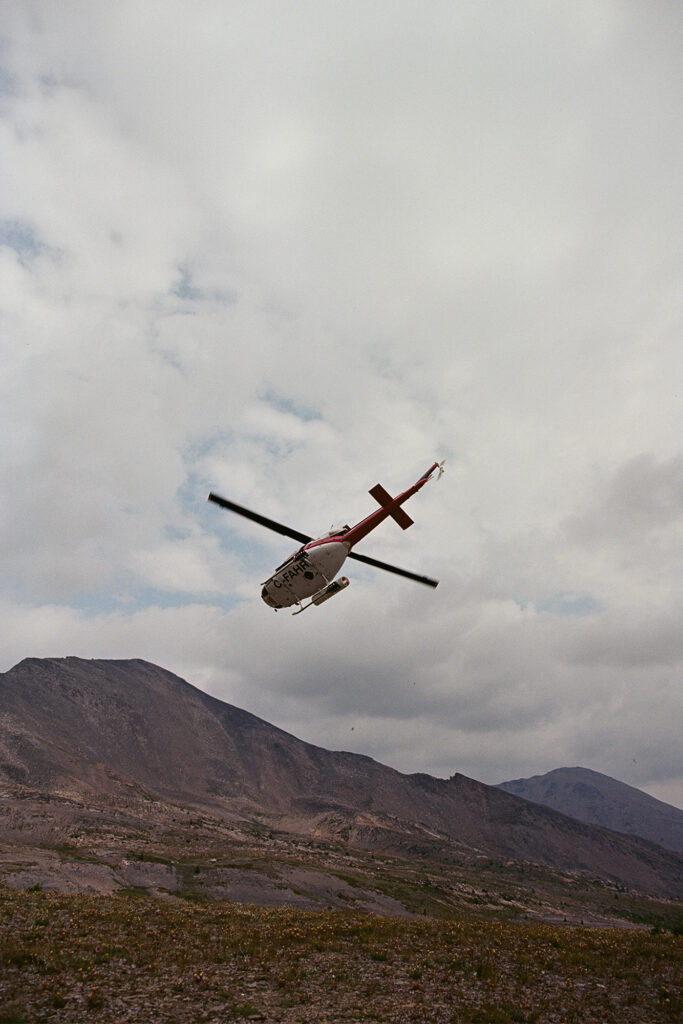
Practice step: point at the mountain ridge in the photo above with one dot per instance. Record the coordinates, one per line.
(100, 727)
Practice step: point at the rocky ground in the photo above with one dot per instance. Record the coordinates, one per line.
(147, 913)
(135, 958)
(70, 845)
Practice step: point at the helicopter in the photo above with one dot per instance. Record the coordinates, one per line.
(309, 573)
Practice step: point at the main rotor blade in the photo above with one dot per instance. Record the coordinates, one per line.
(392, 568)
(270, 524)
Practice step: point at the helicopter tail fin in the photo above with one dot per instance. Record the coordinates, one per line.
(383, 498)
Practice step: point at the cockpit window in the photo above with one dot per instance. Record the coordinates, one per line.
(336, 531)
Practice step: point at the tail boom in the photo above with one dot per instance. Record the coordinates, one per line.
(389, 507)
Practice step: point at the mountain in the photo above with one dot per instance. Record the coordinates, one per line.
(600, 800)
(106, 730)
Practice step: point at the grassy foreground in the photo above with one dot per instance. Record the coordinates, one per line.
(134, 958)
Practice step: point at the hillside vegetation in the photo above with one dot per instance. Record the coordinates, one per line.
(130, 957)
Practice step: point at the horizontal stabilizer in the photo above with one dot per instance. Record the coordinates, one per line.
(383, 498)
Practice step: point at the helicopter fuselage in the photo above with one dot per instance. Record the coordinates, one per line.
(307, 572)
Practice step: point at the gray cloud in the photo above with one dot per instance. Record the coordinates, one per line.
(641, 498)
(287, 252)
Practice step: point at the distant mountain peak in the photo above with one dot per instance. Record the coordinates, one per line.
(590, 796)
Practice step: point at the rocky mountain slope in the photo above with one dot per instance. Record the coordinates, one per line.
(104, 730)
(600, 800)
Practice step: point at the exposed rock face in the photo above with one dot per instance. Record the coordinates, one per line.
(600, 800)
(104, 728)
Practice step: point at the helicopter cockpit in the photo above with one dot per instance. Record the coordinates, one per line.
(336, 531)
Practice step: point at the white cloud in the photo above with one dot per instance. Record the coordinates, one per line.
(286, 252)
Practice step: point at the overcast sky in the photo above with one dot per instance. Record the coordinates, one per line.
(284, 251)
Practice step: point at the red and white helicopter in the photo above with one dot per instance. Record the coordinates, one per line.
(310, 571)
